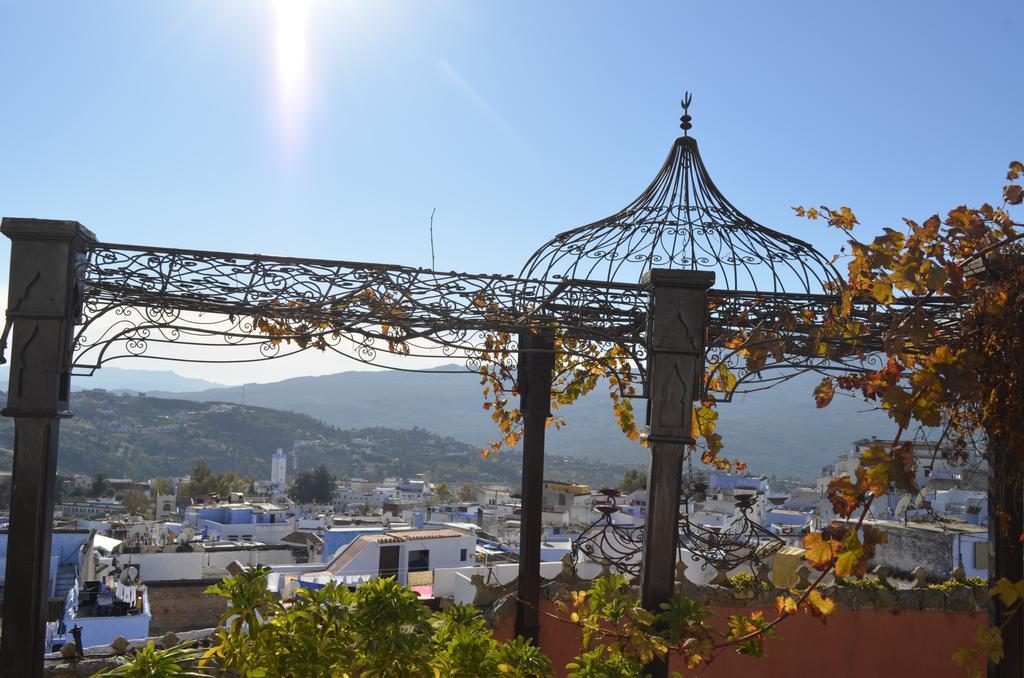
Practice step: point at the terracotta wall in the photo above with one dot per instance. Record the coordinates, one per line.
(854, 643)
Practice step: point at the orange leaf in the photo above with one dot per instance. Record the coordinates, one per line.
(1013, 194)
(824, 392)
(818, 605)
(844, 496)
(785, 605)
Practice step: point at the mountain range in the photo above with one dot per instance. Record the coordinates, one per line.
(777, 432)
(127, 435)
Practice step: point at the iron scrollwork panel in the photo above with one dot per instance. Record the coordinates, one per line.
(743, 542)
(608, 543)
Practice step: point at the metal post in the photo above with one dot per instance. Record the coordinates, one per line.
(1006, 552)
(675, 362)
(43, 305)
(536, 364)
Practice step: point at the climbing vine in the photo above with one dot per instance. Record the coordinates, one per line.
(960, 377)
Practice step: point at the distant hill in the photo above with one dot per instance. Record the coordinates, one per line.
(137, 381)
(778, 431)
(142, 437)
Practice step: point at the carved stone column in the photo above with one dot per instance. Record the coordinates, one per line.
(536, 363)
(43, 306)
(677, 312)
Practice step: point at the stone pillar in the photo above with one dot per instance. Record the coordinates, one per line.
(536, 364)
(43, 306)
(675, 363)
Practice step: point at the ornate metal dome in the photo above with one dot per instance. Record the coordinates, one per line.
(682, 221)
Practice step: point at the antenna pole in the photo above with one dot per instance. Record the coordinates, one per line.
(433, 266)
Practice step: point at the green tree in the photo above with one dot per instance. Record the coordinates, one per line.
(100, 486)
(467, 492)
(633, 480)
(203, 482)
(200, 483)
(313, 487)
(137, 503)
(443, 493)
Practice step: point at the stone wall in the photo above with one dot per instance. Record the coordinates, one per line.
(916, 546)
(182, 606)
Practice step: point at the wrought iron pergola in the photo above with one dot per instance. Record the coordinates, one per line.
(643, 279)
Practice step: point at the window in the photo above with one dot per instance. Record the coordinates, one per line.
(981, 555)
(462, 554)
(419, 561)
(561, 500)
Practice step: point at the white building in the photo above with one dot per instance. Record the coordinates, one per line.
(265, 523)
(279, 470)
(966, 505)
(391, 554)
(205, 560)
(166, 507)
(932, 464)
(720, 505)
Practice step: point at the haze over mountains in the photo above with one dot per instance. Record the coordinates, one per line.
(127, 435)
(778, 432)
(121, 379)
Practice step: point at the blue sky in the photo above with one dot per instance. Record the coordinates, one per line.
(332, 129)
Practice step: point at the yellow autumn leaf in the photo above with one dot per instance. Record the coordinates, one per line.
(785, 605)
(819, 551)
(819, 605)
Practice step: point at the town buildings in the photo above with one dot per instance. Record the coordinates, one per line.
(130, 575)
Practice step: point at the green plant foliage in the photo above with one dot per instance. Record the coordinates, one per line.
(315, 486)
(633, 480)
(619, 635)
(956, 584)
(149, 662)
(604, 662)
(381, 630)
(747, 582)
(863, 583)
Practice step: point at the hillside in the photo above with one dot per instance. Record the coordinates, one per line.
(778, 431)
(142, 437)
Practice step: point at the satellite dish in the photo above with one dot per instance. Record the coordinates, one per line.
(901, 508)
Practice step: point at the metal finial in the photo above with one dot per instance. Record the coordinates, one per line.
(684, 120)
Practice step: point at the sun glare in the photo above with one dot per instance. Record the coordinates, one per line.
(291, 49)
